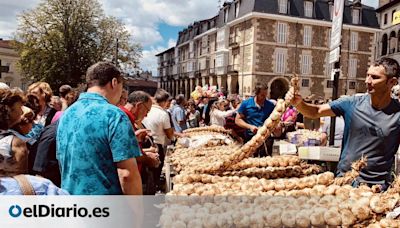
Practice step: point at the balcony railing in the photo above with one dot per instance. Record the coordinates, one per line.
(233, 42)
(211, 71)
(197, 73)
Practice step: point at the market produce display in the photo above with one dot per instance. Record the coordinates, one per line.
(222, 186)
(304, 137)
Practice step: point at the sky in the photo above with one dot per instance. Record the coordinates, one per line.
(153, 23)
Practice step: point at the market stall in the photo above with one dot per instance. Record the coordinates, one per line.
(219, 184)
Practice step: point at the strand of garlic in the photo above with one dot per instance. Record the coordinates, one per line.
(262, 134)
(276, 161)
(385, 223)
(212, 128)
(271, 172)
(351, 175)
(189, 158)
(326, 178)
(294, 87)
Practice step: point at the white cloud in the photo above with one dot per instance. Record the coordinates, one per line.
(144, 35)
(149, 60)
(9, 10)
(180, 12)
(171, 43)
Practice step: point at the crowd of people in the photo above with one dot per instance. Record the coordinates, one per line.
(106, 141)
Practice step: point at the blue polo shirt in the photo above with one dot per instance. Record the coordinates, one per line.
(255, 114)
(91, 136)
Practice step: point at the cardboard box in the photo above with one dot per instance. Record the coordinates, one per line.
(282, 147)
(320, 153)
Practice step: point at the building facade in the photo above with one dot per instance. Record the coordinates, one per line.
(252, 41)
(9, 57)
(388, 41)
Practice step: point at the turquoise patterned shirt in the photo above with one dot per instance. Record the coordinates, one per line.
(92, 135)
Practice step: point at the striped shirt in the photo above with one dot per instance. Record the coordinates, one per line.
(42, 186)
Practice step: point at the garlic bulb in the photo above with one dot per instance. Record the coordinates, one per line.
(331, 218)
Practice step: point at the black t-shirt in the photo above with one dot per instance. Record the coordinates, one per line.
(45, 162)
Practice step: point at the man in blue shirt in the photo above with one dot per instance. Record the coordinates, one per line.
(253, 112)
(372, 123)
(179, 114)
(96, 144)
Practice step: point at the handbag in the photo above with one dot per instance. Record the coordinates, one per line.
(25, 185)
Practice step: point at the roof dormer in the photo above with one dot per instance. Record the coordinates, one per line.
(356, 8)
(283, 6)
(308, 8)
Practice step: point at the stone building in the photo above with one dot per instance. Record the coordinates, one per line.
(252, 41)
(388, 39)
(9, 57)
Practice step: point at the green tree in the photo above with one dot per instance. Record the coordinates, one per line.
(59, 39)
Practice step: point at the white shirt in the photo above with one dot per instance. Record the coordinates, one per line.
(157, 121)
(217, 117)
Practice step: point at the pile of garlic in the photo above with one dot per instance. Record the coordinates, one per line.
(277, 161)
(206, 130)
(203, 184)
(276, 211)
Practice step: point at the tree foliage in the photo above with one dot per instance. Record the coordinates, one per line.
(59, 39)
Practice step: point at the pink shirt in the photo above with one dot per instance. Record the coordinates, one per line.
(289, 113)
(56, 116)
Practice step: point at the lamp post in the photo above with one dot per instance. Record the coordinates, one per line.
(116, 53)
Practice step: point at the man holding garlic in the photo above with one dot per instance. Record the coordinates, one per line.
(251, 115)
(372, 123)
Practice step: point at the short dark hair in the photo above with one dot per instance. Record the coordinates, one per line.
(32, 102)
(180, 98)
(138, 96)
(101, 73)
(161, 96)
(8, 97)
(260, 86)
(64, 90)
(392, 68)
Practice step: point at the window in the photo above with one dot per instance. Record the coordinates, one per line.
(201, 48)
(352, 85)
(305, 82)
(282, 27)
(283, 6)
(356, 16)
(280, 60)
(307, 36)
(353, 41)
(305, 64)
(352, 68)
(328, 39)
(237, 6)
(189, 66)
(23, 86)
(330, 11)
(8, 83)
(219, 61)
(329, 84)
(215, 42)
(308, 9)
(394, 11)
(328, 66)
(385, 19)
(226, 11)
